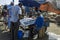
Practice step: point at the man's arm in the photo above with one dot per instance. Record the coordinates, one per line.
(20, 13)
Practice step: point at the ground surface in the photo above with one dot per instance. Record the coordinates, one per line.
(53, 28)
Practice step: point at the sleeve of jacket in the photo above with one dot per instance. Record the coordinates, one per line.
(39, 22)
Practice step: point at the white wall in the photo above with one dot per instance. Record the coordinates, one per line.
(3, 2)
(16, 2)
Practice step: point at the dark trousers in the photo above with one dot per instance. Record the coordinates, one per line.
(31, 27)
(14, 30)
(45, 29)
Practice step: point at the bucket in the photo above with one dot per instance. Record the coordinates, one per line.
(20, 34)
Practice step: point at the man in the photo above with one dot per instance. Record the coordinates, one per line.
(39, 26)
(46, 22)
(27, 10)
(8, 7)
(4, 14)
(14, 14)
(22, 10)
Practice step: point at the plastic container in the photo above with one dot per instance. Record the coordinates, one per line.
(26, 34)
(20, 34)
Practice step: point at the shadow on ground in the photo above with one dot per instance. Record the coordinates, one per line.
(6, 36)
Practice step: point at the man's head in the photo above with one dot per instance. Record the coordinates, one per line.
(20, 4)
(5, 7)
(12, 3)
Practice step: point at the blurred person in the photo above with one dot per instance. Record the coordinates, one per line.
(27, 10)
(31, 27)
(11, 4)
(46, 22)
(14, 14)
(9, 11)
(36, 9)
(4, 14)
(22, 8)
(39, 26)
(0, 11)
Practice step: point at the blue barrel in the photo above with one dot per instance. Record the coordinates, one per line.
(20, 34)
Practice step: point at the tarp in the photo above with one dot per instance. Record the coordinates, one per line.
(32, 3)
(27, 21)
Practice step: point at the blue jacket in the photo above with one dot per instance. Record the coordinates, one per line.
(39, 22)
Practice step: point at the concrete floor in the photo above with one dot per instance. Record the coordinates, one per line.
(54, 28)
